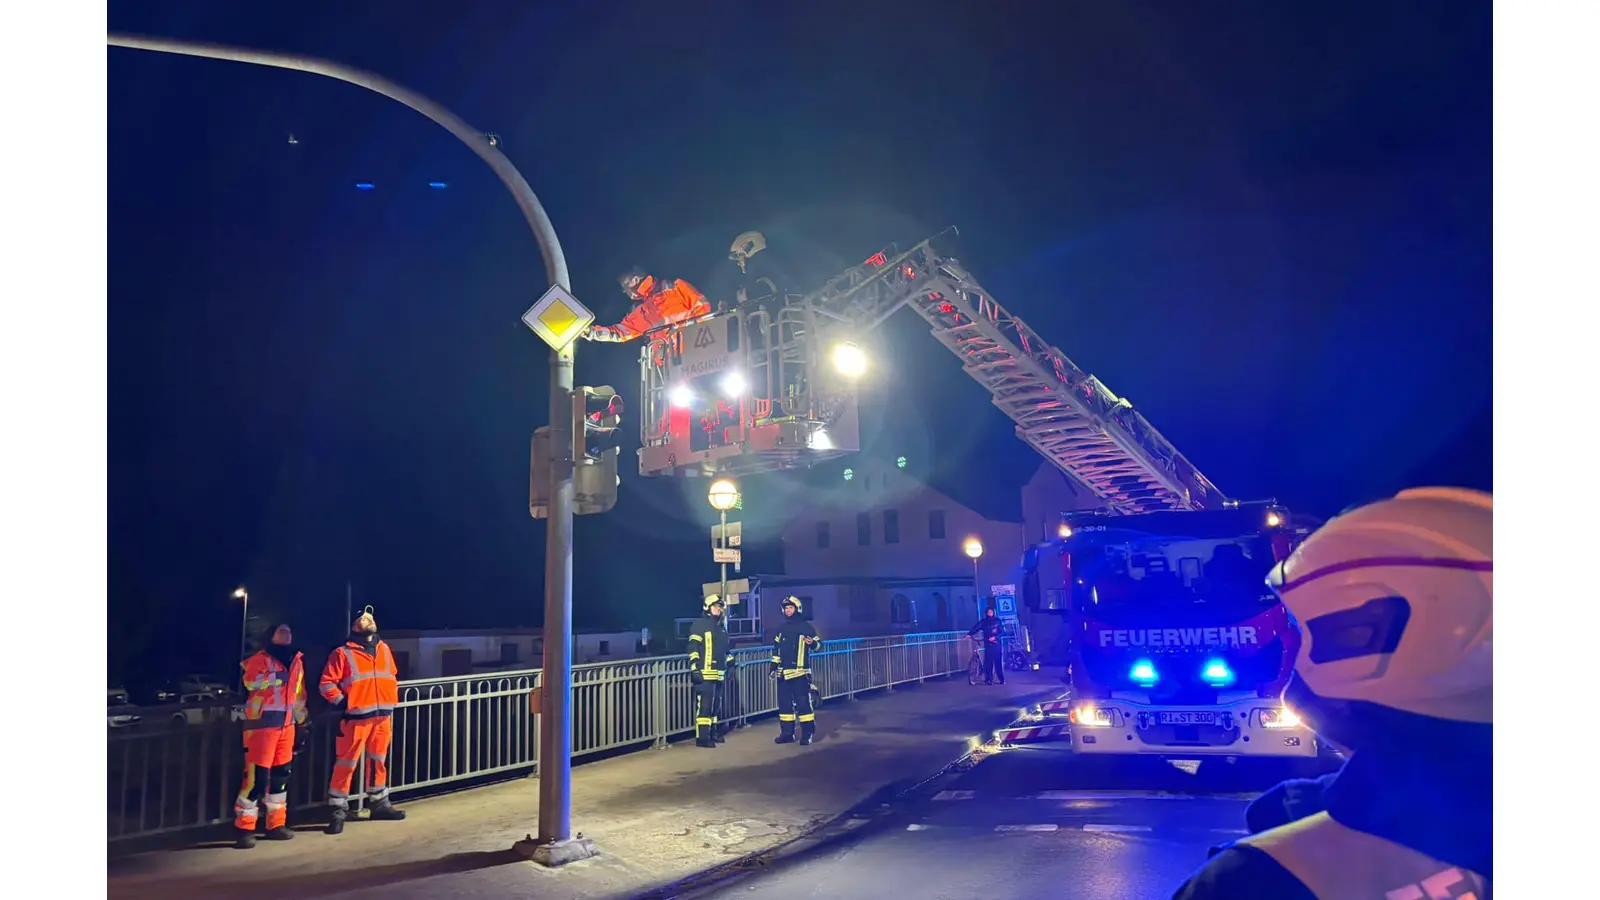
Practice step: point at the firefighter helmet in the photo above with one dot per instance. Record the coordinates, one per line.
(793, 601)
(711, 600)
(1395, 601)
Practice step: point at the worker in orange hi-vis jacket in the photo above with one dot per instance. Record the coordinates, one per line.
(274, 679)
(363, 682)
(657, 304)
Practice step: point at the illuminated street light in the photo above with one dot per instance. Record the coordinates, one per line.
(1273, 519)
(974, 548)
(723, 495)
(733, 384)
(1063, 531)
(680, 395)
(239, 593)
(849, 360)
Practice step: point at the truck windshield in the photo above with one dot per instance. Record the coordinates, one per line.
(1225, 575)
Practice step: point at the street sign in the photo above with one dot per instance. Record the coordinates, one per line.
(733, 532)
(736, 587)
(558, 318)
(720, 555)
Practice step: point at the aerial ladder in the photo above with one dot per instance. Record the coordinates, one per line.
(796, 410)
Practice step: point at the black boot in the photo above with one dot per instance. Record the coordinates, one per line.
(247, 840)
(720, 736)
(281, 833)
(706, 742)
(336, 821)
(806, 736)
(384, 811)
(784, 737)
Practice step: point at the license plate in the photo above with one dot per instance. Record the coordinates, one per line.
(1186, 718)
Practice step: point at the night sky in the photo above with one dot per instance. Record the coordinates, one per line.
(1266, 224)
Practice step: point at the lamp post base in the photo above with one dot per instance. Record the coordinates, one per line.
(556, 853)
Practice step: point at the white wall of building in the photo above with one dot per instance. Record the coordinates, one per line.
(1048, 494)
(910, 566)
(425, 652)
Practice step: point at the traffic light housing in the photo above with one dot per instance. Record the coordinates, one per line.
(596, 444)
(596, 421)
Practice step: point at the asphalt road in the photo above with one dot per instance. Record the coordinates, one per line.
(1033, 822)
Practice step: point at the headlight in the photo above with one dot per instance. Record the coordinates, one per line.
(1092, 717)
(680, 396)
(1283, 717)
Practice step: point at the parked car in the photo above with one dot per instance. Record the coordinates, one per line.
(202, 684)
(202, 709)
(120, 712)
(161, 693)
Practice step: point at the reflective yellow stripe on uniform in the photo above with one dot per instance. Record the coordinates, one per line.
(1336, 862)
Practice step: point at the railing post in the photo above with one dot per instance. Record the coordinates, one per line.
(660, 711)
(888, 665)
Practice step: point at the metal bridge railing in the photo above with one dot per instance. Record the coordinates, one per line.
(164, 779)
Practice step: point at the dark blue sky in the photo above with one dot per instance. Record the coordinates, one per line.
(1267, 224)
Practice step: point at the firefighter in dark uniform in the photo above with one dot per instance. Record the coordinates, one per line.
(1395, 601)
(989, 631)
(791, 668)
(710, 657)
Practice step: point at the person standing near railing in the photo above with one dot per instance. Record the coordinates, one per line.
(710, 657)
(989, 631)
(791, 669)
(363, 682)
(274, 678)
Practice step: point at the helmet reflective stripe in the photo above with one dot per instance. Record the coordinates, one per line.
(1275, 580)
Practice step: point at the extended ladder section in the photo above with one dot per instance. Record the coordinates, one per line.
(1065, 414)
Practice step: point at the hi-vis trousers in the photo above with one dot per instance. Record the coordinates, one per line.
(794, 705)
(268, 753)
(360, 738)
(707, 708)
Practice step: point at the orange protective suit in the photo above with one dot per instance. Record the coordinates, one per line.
(665, 303)
(276, 706)
(367, 681)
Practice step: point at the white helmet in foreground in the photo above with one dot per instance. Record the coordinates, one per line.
(1395, 602)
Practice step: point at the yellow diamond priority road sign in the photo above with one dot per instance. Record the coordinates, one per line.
(558, 318)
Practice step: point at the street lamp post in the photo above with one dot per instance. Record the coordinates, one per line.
(974, 549)
(239, 593)
(555, 845)
(723, 495)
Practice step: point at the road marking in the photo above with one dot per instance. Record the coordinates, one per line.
(1044, 827)
(954, 795)
(916, 827)
(1116, 828)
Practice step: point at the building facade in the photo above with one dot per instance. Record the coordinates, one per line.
(876, 551)
(454, 653)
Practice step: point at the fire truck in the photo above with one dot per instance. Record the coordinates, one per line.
(1173, 644)
(1173, 647)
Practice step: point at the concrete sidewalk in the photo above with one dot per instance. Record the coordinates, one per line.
(656, 816)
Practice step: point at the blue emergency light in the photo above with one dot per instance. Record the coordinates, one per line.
(1144, 672)
(1217, 672)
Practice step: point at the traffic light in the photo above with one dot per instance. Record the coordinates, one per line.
(596, 417)
(596, 443)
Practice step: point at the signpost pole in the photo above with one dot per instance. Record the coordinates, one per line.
(722, 543)
(555, 845)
